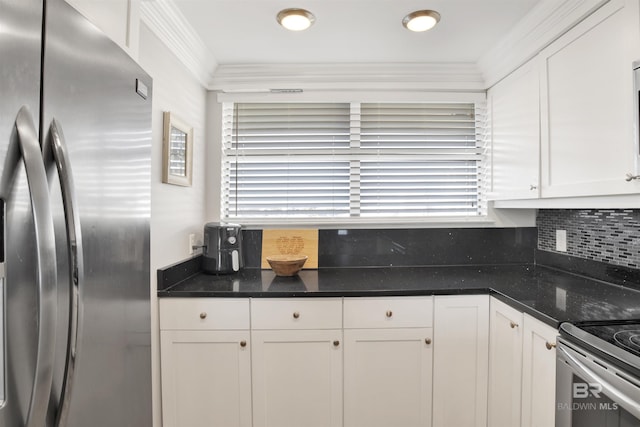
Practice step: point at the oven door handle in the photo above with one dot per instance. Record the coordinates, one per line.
(615, 393)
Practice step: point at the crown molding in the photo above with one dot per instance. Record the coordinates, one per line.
(540, 27)
(169, 24)
(376, 76)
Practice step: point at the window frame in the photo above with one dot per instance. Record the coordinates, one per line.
(483, 219)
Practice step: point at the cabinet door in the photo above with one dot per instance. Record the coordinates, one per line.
(587, 98)
(460, 360)
(538, 374)
(297, 378)
(206, 378)
(387, 377)
(114, 18)
(514, 105)
(505, 364)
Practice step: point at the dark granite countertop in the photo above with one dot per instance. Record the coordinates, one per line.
(549, 294)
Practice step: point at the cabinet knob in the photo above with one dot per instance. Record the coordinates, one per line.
(296, 314)
(631, 177)
(427, 341)
(513, 325)
(336, 343)
(243, 343)
(550, 345)
(203, 315)
(389, 313)
(533, 187)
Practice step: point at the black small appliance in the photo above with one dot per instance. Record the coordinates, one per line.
(222, 248)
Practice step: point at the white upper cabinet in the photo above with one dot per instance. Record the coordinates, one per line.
(515, 134)
(118, 19)
(587, 102)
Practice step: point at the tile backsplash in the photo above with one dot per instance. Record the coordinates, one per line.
(606, 235)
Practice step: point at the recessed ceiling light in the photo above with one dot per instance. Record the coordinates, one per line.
(421, 20)
(295, 19)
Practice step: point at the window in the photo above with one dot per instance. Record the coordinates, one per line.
(352, 160)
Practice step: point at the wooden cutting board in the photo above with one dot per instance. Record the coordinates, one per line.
(290, 242)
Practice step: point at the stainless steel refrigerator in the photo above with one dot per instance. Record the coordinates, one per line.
(75, 166)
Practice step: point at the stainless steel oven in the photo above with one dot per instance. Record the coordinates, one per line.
(598, 375)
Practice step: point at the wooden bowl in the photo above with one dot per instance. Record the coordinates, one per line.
(286, 265)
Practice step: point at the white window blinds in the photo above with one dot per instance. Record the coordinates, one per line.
(358, 160)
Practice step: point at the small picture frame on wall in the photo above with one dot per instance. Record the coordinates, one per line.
(177, 151)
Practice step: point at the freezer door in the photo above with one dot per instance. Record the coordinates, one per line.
(24, 150)
(24, 375)
(89, 89)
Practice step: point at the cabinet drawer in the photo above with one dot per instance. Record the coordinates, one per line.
(204, 313)
(292, 313)
(396, 312)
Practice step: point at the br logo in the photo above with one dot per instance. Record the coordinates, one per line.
(584, 390)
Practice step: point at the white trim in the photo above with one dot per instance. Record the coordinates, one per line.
(132, 36)
(375, 76)
(545, 23)
(495, 219)
(334, 223)
(165, 19)
(353, 96)
(630, 201)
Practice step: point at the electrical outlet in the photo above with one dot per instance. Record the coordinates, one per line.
(192, 243)
(561, 240)
(561, 299)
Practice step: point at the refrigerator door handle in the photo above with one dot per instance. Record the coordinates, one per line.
(24, 144)
(55, 146)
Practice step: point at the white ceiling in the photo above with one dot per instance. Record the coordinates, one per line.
(246, 31)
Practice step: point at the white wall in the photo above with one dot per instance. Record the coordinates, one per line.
(214, 157)
(176, 211)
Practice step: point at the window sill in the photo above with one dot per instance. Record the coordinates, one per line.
(333, 223)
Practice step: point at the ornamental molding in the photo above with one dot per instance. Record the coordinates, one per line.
(348, 77)
(541, 26)
(169, 24)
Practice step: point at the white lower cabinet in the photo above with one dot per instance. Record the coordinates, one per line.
(505, 365)
(388, 356)
(297, 368)
(460, 360)
(205, 362)
(538, 373)
(297, 378)
(206, 379)
(444, 361)
(522, 369)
